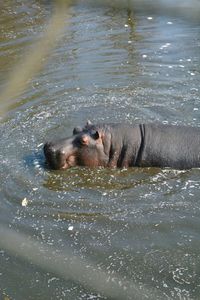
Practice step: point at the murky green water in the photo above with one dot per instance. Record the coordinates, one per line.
(140, 226)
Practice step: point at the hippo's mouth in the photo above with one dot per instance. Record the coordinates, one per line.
(55, 166)
(55, 159)
(55, 163)
(65, 166)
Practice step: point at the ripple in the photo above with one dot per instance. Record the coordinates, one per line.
(142, 224)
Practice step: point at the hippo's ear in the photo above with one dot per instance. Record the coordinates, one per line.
(77, 130)
(88, 123)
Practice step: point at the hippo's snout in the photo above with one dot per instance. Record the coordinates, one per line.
(60, 154)
(55, 157)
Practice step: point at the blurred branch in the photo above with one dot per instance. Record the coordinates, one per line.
(70, 267)
(33, 61)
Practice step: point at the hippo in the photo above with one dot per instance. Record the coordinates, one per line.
(123, 146)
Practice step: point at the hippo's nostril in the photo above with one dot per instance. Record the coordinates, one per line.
(49, 149)
(62, 153)
(52, 150)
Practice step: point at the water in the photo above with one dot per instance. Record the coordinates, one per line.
(138, 228)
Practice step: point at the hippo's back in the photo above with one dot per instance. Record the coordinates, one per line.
(170, 146)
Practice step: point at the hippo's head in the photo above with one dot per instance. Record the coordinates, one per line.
(85, 148)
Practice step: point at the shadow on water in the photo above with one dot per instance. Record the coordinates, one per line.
(108, 179)
(35, 159)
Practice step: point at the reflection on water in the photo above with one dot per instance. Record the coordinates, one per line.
(102, 179)
(139, 227)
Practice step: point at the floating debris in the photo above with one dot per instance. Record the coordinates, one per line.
(24, 202)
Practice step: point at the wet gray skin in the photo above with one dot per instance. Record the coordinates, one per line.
(120, 145)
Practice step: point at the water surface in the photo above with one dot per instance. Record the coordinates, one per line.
(138, 225)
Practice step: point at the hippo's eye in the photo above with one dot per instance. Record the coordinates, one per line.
(95, 134)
